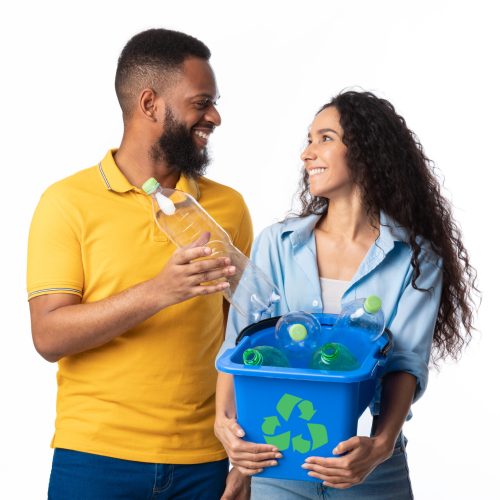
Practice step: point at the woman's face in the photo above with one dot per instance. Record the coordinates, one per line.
(325, 156)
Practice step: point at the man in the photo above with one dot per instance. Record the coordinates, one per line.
(131, 320)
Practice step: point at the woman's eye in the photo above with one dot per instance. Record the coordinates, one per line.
(326, 138)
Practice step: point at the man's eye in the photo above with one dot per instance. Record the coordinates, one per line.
(205, 103)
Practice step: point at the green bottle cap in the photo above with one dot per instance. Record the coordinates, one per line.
(329, 352)
(252, 357)
(297, 332)
(372, 304)
(150, 186)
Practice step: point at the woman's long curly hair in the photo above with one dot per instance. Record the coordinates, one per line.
(388, 164)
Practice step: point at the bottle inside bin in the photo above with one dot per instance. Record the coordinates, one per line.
(297, 334)
(335, 357)
(264, 355)
(365, 313)
(184, 220)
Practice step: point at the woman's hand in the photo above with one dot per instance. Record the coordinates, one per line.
(362, 455)
(248, 458)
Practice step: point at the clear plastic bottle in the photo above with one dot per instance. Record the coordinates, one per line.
(334, 356)
(264, 355)
(297, 335)
(184, 220)
(363, 313)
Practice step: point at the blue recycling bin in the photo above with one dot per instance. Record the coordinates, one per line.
(303, 412)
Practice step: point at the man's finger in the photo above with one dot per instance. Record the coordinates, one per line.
(207, 265)
(208, 289)
(201, 241)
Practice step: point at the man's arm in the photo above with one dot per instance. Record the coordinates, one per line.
(62, 326)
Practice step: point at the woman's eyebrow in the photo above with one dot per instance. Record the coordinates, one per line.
(323, 130)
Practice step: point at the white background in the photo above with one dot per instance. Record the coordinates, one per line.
(276, 64)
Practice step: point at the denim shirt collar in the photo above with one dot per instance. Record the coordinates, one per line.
(300, 231)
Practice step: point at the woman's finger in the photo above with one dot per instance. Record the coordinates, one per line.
(248, 472)
(340, 486)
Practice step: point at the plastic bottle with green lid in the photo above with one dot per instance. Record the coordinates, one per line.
(334, 356)
(297, 335)
(184, 220)
(365, 313)
(264, 355)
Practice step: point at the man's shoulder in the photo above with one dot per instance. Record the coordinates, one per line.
(80, 181)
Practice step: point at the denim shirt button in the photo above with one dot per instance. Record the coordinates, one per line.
(315, 303)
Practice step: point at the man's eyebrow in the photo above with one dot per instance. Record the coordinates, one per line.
(208, 96)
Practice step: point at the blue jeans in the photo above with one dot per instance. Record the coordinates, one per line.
(84, 476)
(389, 481)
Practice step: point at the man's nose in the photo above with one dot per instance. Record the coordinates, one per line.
(213, 116)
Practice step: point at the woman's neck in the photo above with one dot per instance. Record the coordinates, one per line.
(348, 219)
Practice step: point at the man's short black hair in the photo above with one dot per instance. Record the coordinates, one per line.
(151, 59)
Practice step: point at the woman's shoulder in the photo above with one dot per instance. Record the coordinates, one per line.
(398, 233)
(302, 227)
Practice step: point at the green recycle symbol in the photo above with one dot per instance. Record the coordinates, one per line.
(285, 406)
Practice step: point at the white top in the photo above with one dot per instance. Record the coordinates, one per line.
(331, 294)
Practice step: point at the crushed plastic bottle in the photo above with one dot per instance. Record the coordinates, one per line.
(297, 335)
(184, 220)
(363, 313)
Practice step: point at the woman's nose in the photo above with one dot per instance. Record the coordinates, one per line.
(308, 153)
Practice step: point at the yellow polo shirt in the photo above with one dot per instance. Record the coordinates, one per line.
(149, 394)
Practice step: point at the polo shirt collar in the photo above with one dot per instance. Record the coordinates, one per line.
(114, 180)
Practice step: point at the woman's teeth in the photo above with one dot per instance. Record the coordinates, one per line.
(316, 171)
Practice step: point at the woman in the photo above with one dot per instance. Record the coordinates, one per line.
(372, 221)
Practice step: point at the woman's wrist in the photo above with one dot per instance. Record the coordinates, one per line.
(384, 444)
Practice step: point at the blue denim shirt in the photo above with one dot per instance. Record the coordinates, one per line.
(286, 252)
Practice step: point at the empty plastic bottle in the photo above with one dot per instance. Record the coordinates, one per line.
(297, 334)
(363, 313)
(264, 355)
(184, 220)
(334, 356)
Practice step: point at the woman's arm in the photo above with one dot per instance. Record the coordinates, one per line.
(249, 458)
(363, 454)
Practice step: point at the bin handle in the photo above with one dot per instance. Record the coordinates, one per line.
(256, 327)
(390, 343)
(269, 322)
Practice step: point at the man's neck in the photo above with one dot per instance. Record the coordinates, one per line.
(137, 165)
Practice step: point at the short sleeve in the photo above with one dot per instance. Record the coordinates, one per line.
(54, 250)
(413, 325)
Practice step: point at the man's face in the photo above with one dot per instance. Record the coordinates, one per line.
(190, 118)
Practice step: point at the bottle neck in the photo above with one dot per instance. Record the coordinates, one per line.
(329, 353)
(251, 357)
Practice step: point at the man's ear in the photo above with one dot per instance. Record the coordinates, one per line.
(148, 104)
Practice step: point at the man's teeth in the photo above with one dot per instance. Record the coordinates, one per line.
(315, 171)
(201, 134)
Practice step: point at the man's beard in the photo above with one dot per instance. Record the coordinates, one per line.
(177, 148)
